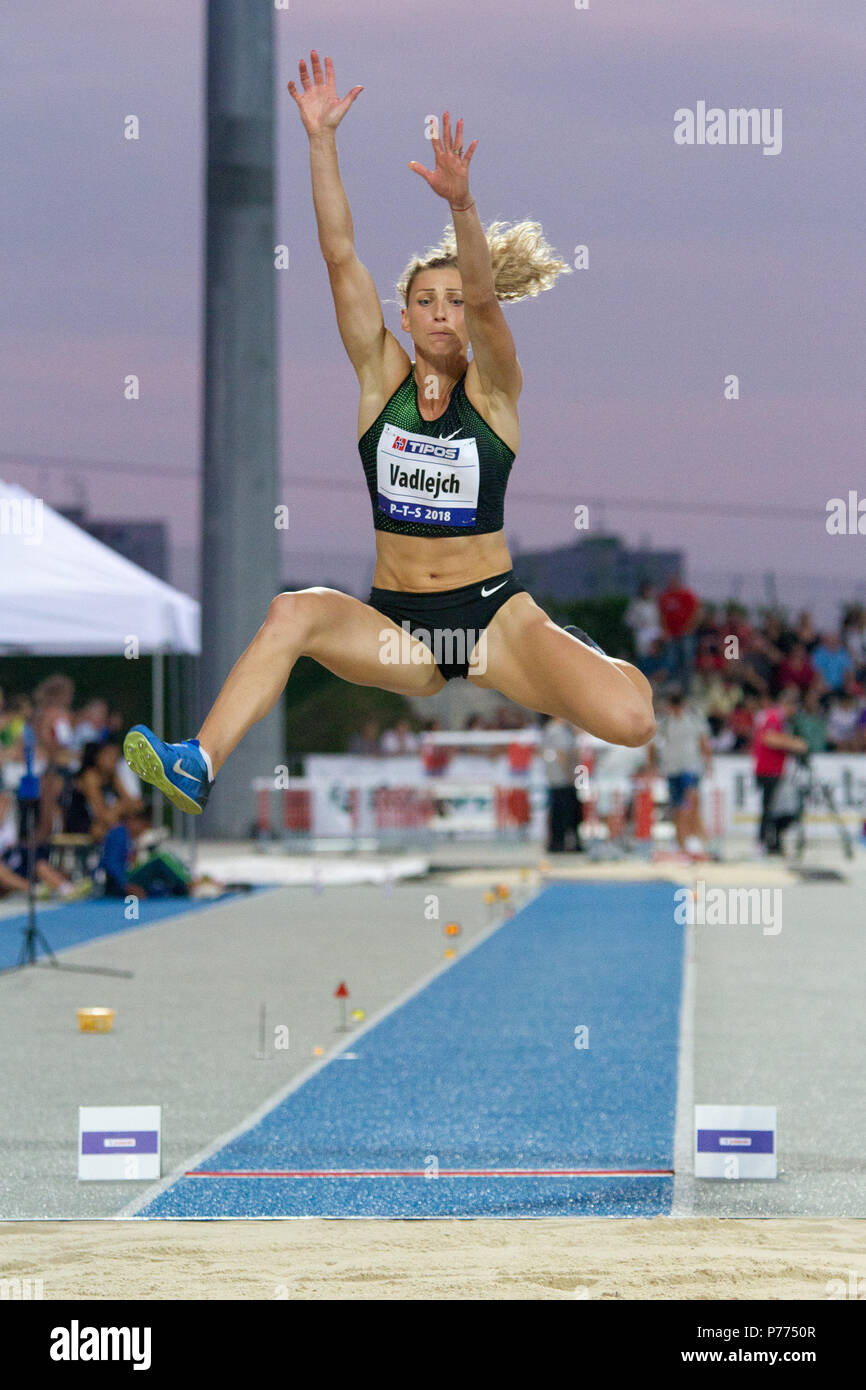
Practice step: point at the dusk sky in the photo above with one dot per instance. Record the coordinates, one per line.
(704, 260)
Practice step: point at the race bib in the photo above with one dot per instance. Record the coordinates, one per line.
(427, 480)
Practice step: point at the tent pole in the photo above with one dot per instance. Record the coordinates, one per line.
(158, 692)
(175, 720)
(192, 712)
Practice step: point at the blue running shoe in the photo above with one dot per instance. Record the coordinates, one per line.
(579, 633)
(178, 770)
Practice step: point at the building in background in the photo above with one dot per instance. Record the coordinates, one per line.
(145, 543)
(595, 567)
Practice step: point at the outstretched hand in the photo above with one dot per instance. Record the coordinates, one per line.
(320, 107)
(450, 178)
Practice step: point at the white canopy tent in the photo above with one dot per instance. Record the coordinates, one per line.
(63, 593)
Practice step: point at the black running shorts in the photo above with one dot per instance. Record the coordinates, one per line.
(449, 621)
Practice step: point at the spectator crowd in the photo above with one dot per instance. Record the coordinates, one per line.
(87, 795)
(731, 667)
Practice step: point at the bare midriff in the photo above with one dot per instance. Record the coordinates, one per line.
(418, 564)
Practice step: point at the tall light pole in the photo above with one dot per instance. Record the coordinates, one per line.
(240, 541)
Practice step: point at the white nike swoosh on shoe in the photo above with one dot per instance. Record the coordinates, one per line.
(179, 772)
(485, 593)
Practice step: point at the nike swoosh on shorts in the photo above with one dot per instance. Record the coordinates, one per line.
(485, 593)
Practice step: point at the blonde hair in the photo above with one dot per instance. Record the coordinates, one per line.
(521, 260)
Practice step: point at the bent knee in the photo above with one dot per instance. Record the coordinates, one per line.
(637, 727)
(294, 609)
(631, 723)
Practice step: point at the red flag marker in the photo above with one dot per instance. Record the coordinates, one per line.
(342, 993)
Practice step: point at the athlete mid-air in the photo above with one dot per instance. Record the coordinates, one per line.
(437, 435)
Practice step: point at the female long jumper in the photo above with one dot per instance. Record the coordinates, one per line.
(437, 437)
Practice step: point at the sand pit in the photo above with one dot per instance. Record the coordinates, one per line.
(662, 1258)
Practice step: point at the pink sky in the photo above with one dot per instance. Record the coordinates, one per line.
(702, 261)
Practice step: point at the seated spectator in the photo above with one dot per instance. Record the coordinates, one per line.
(810, 721)
(97, 799)
(131, 868)
(15, 862)
(795, 669)
(832, 661)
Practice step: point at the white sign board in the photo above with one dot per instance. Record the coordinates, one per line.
(118, 1142)
(735, 1141)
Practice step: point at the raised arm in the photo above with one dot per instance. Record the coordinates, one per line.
(493, 349)
(359, 312)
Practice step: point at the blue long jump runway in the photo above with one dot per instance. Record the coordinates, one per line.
(74, 924)
(471, 1099)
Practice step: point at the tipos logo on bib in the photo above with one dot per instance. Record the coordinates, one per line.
(427, 480)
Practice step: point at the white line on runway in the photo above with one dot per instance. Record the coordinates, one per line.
(684, 1182)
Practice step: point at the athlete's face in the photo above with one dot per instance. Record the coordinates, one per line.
(434, 315)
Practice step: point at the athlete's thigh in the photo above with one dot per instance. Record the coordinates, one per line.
(528, 657)
(503, 660)
(361, 645)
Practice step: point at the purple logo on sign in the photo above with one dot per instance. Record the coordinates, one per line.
(142, 1141)
(719, 1141)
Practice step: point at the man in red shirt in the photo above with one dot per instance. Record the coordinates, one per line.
(770, 748)
(679, 609)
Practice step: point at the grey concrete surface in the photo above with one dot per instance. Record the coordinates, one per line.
(186, 1031)
(779, 1020)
